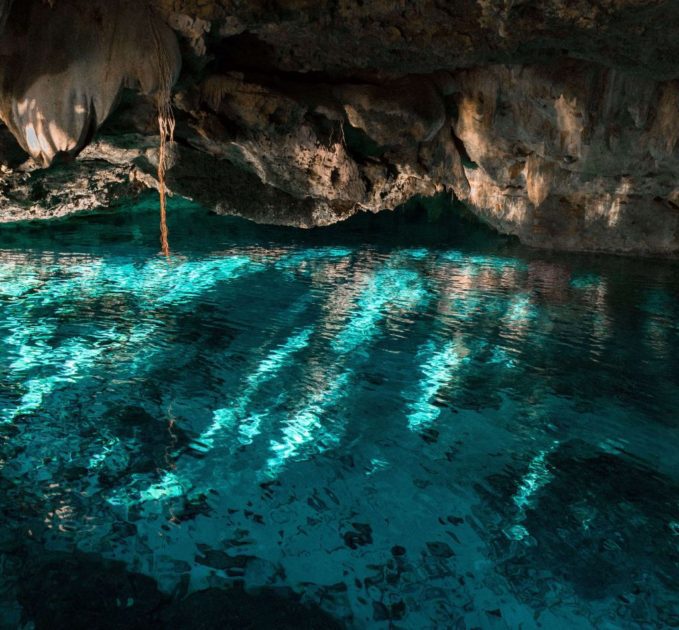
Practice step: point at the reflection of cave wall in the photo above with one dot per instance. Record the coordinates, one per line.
(304, 114)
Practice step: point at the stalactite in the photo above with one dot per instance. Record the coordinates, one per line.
(103, 47)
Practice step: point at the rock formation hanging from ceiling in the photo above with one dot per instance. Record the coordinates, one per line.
(64, 69)
(554, 120)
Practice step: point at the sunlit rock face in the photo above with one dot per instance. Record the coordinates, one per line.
(554, 121)
(581, 158)
(66, 65)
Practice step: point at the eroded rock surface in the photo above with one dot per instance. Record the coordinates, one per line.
(555, 121)
(580, 158)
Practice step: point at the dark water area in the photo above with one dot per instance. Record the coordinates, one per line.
(403, 421)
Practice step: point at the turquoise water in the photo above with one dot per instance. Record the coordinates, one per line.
(403, 422)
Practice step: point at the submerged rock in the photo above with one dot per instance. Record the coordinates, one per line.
(596, 522)
(234, 608)
(61, 590)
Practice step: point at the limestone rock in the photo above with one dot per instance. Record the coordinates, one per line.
(581, 158)
(556, 121)
(68, 64)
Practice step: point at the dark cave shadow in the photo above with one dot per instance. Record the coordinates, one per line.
(83, 590)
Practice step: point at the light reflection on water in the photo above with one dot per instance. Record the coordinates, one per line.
(309, 404)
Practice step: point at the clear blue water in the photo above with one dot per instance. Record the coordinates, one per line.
(408, 424)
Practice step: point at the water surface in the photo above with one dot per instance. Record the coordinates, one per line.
(404, 421)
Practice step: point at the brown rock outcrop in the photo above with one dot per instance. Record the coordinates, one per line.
(555, 121)
(574, 156)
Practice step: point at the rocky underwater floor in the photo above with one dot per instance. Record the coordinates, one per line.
(402, 421)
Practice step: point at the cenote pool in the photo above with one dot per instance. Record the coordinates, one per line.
(403, 421)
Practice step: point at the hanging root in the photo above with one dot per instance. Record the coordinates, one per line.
(166, 125)
(166, 128)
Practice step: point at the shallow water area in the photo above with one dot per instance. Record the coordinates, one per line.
(404, 420)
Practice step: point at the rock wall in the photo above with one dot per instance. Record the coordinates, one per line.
(556, 121)
(573, 155)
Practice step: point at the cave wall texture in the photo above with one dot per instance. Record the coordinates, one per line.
(553, 120)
